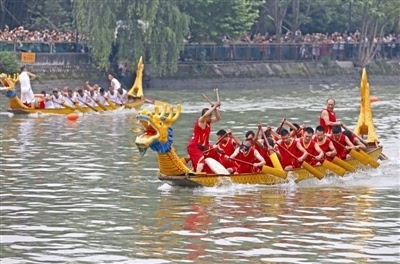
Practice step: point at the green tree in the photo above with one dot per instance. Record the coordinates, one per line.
(377, 16)
(8, 63)
(212, 19)
(154, 27)
(51, 14)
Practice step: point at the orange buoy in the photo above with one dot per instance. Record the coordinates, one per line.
(72, 116)
(373, 99)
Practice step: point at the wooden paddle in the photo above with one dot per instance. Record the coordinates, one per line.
(356, 155)
(371, 161)
(305, 165)
(208, 100)
(64, 105)
(98, 103)
(343, 164)
(274, 157)
(331, 166)
(216, 143)
(88, 105)
(278, 130)
(266, 169)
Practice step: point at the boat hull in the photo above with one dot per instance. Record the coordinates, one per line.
(210, 180)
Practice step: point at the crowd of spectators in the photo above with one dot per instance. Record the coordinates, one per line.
(308, 46)
(20, 34)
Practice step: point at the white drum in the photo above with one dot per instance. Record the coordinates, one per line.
(216, 167)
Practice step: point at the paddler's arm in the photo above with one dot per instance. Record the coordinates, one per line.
(31, 76)
(235, 139)
(260, 159)
(325, 116)
(333, 151)
(320, 155)
(217, 116)
(234, 154)
(349, 145)
(305, 154)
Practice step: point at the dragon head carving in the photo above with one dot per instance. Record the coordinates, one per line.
(8, 83)
(157, 132)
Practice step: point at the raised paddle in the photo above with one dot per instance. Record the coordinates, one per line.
(305, 165)
(274, 157)
(278, 130)
(208, 100)
(216, 143)
(356, 155)
(266, 169)
(371, 161)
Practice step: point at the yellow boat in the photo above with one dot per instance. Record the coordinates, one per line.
(16, 106)
(158, 135)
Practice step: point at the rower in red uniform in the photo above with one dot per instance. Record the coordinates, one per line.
(227, 146)
(262, 147)
(327, 119)
(342, 143)
(355, 140)
(315, 154)
(292, 146)
(201, 134)
(246, 152)
(325, 143)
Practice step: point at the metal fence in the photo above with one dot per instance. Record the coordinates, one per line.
(42, 47)
(233, 52)
(284, 52)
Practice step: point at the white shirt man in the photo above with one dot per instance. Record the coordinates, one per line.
(114, 82)
(57, 99)
(27, 96)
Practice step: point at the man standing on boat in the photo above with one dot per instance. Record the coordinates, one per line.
(201, 135)
(327, 119)
(27, 96)
(114, 82)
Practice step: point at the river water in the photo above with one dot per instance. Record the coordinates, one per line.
(77, 192)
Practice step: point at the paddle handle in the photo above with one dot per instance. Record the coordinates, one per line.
(208, 100)
(278, 130)
(360, 138)
(217, 93)
(242, 161)
(216, 143)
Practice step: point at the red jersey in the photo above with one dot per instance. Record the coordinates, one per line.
(340, 146)
(248, 157)
(310, 148)
(200, 136)
(324, 146)
(265, 154)
(286, 158)
(332, 118)
(228, 147)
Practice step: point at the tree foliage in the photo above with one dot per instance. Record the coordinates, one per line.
(8, 63)
(212, 19)
(154, 27)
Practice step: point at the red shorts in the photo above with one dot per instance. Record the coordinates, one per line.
(196, 155)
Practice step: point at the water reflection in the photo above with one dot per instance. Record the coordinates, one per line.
(79, 192)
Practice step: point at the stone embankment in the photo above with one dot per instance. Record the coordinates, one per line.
(57, 73)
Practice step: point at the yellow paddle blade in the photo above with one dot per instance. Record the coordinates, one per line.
(358, 156)
(343, 164)
(275, 161)
(312, 170)
(275, 172)
(374, 164)
(334, 168)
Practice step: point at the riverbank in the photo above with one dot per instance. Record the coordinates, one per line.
(232, 75)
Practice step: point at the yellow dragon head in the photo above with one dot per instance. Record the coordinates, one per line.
(157, 128)
(8, 82)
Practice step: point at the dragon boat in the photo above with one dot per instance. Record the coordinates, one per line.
(17, 107)
(158, 135)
